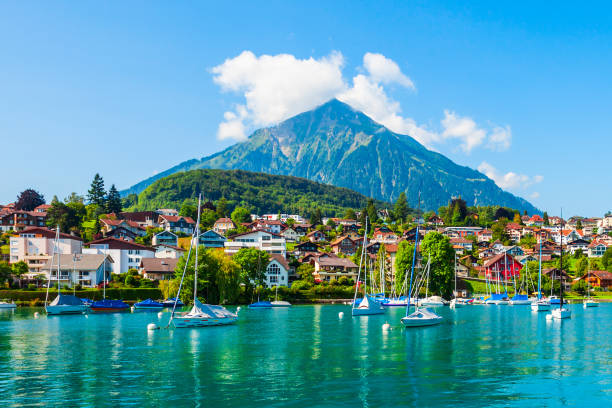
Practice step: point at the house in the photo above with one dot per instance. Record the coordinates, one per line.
(165, 237)
(435, 220)
(290, 234)
(109, 224)
(513, 250)
(273, 226)
(305, 247)
(121, 233)
(535, 220)
(463, 231)
(391, 250)
(126, 255)
(34, 246)
(169, 211)
(485, 235)
(599, 279)
(168, 251)
(466, 244)
(502, 267)
(212, 239)
(277, 271)
(575, 245)
(87, 270)
(385, 235)
(556, 273)
(486, 253)
(316, 236)
(523, 259)
(331, 267)
(18, 220)
(596, 249)
(343, 245)
(177, 223)
(262, 240)
(158, 268)
(302, 229)
(145, 219)
(222, 225)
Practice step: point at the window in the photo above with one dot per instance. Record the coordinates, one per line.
(273, 279)
(137, 252)
(273, 269)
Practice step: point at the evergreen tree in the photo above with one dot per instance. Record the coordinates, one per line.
(371, 211)
(350, 214)
(96, 193)
(400, 211)
(113, 201)
(545, 218)
(579, 224)
(222, 210)
(316, 217)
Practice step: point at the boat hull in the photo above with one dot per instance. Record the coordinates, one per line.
(412, 322)
(520, 302)
(148, 307)
(540, 307)
(559, 314)
(65, 309)
(7, 306)
(109, 309)
(368, 312)
(280, 303)
(187, 322)
(590, 303)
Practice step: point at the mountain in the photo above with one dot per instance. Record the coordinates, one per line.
(335, 144)
(259, 192)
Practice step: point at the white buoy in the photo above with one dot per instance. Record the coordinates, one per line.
(238, 309)
(340, 315)
(152, 326)
(132, 309)
(386, 327)
(36, 315)
(86, 316)
(159, 315)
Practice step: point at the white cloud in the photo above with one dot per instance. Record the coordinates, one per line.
(534, 195)
(510, 180)
(385, 70)
(276, 87)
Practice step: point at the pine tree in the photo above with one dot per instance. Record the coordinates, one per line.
(400, 210)
(316, 217)
(545, 218)
(372, 212)
(96, 193)
(222, 210)
(113, 201)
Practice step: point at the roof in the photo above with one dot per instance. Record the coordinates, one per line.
(176, 218)
(281, 260)
(603, 275)
(115, 243)
(83, 262)
(597, 243)
(460, 241)
(306, 243)
(496, 258)
(339, 240)
(391, 248)
(330, 260)
(140, 216)
(224, 220)
(158, 265)
(47, 233)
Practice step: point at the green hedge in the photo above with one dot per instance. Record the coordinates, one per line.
(95, 294)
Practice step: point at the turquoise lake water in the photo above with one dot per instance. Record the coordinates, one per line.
(307, 357)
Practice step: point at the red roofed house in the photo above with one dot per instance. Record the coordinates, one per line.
(597, 248)
(108, 225)
(331, 267)
(343, 245)
(277, 271)
(599, 279)
(126, 255)
(158, 268)
(222, 225)
(485, 235)
(17, 220)
(177, 223)
(535, 220)
(384, 235)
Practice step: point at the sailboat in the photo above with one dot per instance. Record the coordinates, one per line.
(421, 316)
(108, 305)
(368, 305)
(279, 303)
(200, 315)
(62, 304)
(589, 302)
(561, 312)
(396, 299)
(457, 302)
(520, 299)
(541, 304)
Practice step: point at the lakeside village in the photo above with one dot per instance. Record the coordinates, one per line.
(141, 254)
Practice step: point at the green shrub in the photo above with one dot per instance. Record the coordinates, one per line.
(301, 285)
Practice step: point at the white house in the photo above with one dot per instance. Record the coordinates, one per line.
(126, 255)
(165, 238)
(176, 223)
(277, 272)
(262, 240)
(597, 249)
(168, 251)
(35, 246)
(87, 270)
(290, 234)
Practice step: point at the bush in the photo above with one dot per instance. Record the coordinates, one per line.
(580, 287)
(31, 286)
(344, 281)
(301, 285)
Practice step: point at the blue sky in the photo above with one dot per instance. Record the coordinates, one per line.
(128, 89)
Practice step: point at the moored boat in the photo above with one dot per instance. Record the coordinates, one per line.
(263, 304)
(148, 304)
(170, 302)
(7, 305)
(109, 306)
(421, 317)
(66, 304)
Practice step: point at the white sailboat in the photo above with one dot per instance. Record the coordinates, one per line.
(279, 303)
(368, 305)
(432, 301)
(62, 304)
(561, 312)
(421, 317)
(200, 315)
(456, 302)
(540, 304)
(589, 302)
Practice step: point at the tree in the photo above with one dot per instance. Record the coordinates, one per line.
(580, 287)
(372, 211)
(207, 218)
(528, 241)
(579, 224)
(28, 200)
(349, 214)
(439, 248)
(400, 211)
(5, 272)
(403, 263)
(240, 215)
(74, 198)
(315, 217)
(582, 265)
(305, 272)
(253, 264)
(63, 215)
(227, 277)
(19, 269)
(517, 219)
(113, 201)
(504, 213)
(606, 259)
(222, 210)
(457, 211)
(188, 209)
(498, 230)
(96, 193)
(545, 218)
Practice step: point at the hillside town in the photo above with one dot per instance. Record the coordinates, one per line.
(149, 244)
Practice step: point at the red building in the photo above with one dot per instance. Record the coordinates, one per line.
(502, 266)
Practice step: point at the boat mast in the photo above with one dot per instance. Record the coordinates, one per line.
(540, 272)
(455, 294)
(57, 234)
(361, 259)
(561, 267)
(51, 264)
(197, 239)
(416, 244)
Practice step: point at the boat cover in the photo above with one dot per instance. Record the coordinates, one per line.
(109, 304)
(263, 303)
(498, 296)
(520, 297)
(149, 302)
(65, 300)
(200, 309)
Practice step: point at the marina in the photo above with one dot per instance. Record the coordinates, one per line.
(496, 356)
